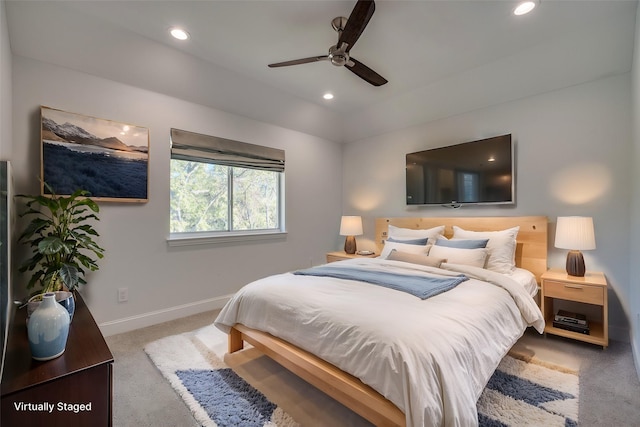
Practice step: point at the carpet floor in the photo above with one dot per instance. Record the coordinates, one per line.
(520, 392)
(142, 397)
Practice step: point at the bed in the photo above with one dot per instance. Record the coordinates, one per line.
(392, 357)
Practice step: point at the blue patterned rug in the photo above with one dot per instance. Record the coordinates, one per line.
(528, 393)
(228, 399)
(519, 392)
(215, 395)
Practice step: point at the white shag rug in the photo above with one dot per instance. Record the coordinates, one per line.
(520, 393)
(217, 397)
(529, 393)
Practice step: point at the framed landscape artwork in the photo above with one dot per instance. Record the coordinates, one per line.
(108, 159)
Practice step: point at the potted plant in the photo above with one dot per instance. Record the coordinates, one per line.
(61, 237)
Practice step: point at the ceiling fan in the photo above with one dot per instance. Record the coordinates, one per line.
(349, 30)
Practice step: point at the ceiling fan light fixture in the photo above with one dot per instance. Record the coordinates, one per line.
(349, 30)
(524, 7)
(338, 57)
(179, 33)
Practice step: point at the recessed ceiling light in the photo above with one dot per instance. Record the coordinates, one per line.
(179, 33)
(328, 96)
(524, 7)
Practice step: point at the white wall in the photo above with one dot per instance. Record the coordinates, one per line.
(167, 282)
(573, 151)
(5, 87)
(634, 267)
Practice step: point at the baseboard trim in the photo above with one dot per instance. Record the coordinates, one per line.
(127, 324)
(635, 351)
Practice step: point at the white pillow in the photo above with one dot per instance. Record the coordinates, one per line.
(404, 247)
(474, 257)
(501, 247)
(527, 279)
(408, 233)
(420, 259)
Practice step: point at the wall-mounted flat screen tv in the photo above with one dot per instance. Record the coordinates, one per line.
(6, 221)
(477, 172)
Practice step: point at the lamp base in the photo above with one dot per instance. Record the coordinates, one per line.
(575, 264)
(350, 245)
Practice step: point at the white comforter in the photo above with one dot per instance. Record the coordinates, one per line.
(432, 358)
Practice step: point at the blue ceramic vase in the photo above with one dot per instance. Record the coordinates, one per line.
(67, 300)
(48, 329)
(64, 298)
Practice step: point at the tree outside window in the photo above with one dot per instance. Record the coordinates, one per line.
(208, 197)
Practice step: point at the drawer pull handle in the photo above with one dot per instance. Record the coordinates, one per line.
(574, 287)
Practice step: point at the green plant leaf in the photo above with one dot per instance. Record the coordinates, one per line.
(87, 229)
(69, 275)
(90, 204)
(51, 245)
(35, 277)
(57, 233)
(31, 263)
(87, 262)
(34, 227)
(84, 218)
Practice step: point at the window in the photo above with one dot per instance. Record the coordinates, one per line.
(224, 187)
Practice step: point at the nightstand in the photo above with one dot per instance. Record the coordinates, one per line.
(590, 289)
(341, 255)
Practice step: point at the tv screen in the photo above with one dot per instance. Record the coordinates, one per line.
(480, 172)
(5, 257)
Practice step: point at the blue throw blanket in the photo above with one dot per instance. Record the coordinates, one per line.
(421, 286)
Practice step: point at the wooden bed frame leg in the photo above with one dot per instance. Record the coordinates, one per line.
(236, 343)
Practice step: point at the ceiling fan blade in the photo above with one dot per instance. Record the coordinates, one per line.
(365, 73)
(300, 61)
(358, 20)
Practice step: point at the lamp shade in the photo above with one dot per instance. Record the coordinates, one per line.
(351, 226)
(575, 233)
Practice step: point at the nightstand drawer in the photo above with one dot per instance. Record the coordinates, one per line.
(574, 292)
(334, 258)
(342, 255)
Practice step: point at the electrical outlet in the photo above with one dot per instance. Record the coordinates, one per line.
(123, 294)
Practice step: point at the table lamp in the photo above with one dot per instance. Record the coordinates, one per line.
(350, 226)
(575, 233)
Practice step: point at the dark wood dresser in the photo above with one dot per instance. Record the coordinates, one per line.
(74, 389)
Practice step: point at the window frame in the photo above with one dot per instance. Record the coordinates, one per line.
(229, 235)
(213, 237)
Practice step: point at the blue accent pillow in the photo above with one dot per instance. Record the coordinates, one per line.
(463, 243)
(421, 242)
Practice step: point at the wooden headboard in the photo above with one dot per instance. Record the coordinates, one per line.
(531, 250)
